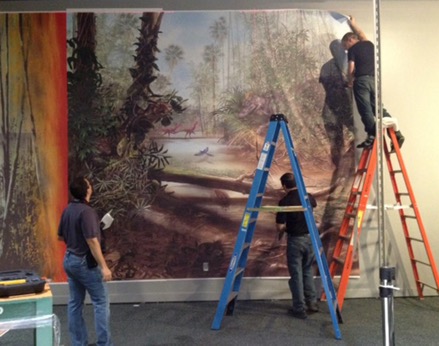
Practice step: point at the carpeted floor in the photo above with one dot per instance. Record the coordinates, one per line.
(256, 323)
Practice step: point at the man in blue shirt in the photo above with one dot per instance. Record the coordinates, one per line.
(85, 265)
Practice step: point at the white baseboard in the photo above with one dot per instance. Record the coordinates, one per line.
(184, 290)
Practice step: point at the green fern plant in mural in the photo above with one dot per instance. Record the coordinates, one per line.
(112, 146)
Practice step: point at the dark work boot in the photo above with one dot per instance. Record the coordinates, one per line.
(367, 143)
(301, 314)
(400, 138)
(312, 307)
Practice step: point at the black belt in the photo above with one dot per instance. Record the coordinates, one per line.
(68, 252)
(298, 235)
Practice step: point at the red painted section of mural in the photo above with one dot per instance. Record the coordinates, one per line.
(50, 88)
(34, 141)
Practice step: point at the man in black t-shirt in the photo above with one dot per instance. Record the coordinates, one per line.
(361, 77)
(300, 254)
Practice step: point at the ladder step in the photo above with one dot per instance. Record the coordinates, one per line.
(410, 216)
(421, 262)
(351, 215)
(345, 237)
(338, 260)
(239, 271)
(232, 296)
(396, 171)
(416, 239)
(425, 284)
(403, 194)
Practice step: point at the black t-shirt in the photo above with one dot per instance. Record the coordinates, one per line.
(296, 221)
(79, 222)
(363, 55)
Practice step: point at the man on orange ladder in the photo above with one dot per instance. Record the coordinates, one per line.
(361, 77)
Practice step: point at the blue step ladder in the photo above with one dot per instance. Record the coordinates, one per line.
(235, 271)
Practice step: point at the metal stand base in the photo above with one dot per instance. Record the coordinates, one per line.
(387, 275)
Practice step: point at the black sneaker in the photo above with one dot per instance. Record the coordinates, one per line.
(400, 140)
(367, 143)
(312, 307)
(301, 314)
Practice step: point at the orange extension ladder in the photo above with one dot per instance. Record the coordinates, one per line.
(351, 226)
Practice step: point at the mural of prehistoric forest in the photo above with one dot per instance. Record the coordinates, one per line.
(167, 113)
(33, 141)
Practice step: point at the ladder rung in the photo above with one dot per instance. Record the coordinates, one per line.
(344, 237)
(416, 239)
(396, 171)
(362, 170)
(403, 194)
(353, 215)
(239, 271)
(410, 216)
(425, 284)
(421, 262)
(338, 260)
(232, 296)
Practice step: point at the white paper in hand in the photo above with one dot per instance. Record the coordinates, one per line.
(107, 220)
(339, 16)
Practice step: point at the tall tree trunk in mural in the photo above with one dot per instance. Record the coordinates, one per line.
(5, 142)
(142, 107)
(23, 198)
(11, 131)
(84, 80)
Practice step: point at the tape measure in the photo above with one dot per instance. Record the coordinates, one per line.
(13, 282)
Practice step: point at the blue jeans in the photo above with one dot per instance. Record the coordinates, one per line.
(364, 93)
(300, 257)
(81, 280)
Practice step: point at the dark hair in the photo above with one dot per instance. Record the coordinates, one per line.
(349, 35)
(287, 180)
(78, 188)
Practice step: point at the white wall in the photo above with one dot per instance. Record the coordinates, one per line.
(410, 70)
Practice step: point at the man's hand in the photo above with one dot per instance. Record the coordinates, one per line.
(352, 19)
(106, 273)
(280, 234)
(95, 248)
(281, 228)
(356, 29)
